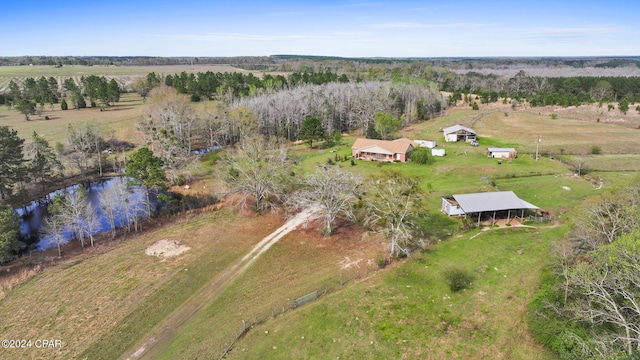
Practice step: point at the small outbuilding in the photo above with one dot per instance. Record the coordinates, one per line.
(438, 152)
(426, 143)
(458, 132)
(502, 153)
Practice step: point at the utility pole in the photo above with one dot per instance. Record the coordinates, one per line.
(537, 147)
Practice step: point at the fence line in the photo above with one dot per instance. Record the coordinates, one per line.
(247, 325)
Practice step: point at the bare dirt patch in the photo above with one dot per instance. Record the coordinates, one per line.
(166, 248)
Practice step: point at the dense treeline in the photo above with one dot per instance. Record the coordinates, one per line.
(319, 63)
(232, 85)
(541, 91)
(341, 106)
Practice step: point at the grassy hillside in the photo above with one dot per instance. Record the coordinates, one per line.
(408, 311)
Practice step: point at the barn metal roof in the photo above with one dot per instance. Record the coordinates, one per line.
(501, 149)
(491, 201)
(456, 128)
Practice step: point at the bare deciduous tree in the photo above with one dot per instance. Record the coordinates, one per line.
(169, 122)
(609, 292)
(392, 199)
(259, 167)
(84, 141)
(604, 219)
(55, 227)
(76, 213)
(333, 189)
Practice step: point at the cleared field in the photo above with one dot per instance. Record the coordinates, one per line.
(117, 292)
(119, 119)
(409, 311)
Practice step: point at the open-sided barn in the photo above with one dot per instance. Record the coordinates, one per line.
(457, 133)
(489, 203)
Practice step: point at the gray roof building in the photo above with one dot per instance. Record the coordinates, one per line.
(491, 201)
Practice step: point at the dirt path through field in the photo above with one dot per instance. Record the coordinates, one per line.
(166, 331)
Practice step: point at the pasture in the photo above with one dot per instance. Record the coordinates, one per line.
(118, 120)
(103, 302)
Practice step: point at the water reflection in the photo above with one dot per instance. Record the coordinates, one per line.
(32, 217)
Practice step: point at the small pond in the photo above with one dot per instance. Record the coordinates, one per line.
(32, 217)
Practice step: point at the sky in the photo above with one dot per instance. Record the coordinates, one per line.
(402, 28)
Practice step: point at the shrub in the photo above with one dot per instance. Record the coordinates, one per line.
(63, 104)
(195, 97)
(381, 261)
(554, 116)
(474, 106)
(458, 279)
(421, 156)
(595, 149)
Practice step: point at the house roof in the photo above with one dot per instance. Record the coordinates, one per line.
(456, 128)
(501, 149)
(491, 201)
(400, 146)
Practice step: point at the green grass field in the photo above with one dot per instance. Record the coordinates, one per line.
(103, 302)
(408, 311)
(119, 120)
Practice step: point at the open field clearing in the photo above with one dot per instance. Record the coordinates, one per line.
(520, 129)
(300, 263)
(409, 312)
(119, 119)
(117, 292)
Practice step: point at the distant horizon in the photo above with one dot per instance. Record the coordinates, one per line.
(337, 57)
(338, 28)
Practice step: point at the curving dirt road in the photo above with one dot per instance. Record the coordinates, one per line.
(170, 327)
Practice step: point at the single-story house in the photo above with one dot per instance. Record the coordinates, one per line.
(502, 153)
(426, 143)
(438, 152)
(458, 132)
(383, 150)
(488, 203)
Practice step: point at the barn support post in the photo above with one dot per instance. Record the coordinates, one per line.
(522, 216)
(493, 220)
(509, 217)
(479, 214)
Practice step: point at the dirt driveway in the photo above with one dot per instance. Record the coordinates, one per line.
(165, 332)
